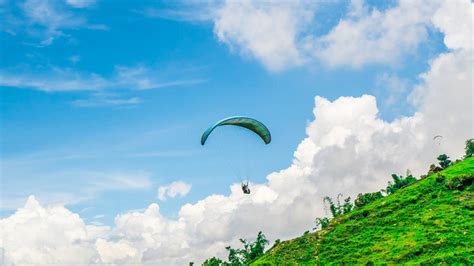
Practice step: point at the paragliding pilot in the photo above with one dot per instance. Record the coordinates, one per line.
(245, 188)
(245, 122)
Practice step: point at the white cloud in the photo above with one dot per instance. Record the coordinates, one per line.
(11, 200)
(367, 37)
(115, 252)
(117, 180)
(52, 235)
(82, 186)
(194, 13)
(177, 188)
(80, 3)
(75, 58)
(52, 17)
(268, 30)
(284, 37)
(55, 80)
(394, 86)
(49, 15)
(456, 20)
(124, 77)
(105, 89)
(100, 100)
(98, 216)
(144, 78)
(45, 21)
(348, 149)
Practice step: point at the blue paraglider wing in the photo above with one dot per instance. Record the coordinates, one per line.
(241, 121)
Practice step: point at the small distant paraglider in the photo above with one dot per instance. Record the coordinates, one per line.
(241, 121)
(438, 139)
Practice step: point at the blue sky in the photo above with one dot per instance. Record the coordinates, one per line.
(126, 89)
(103, 103)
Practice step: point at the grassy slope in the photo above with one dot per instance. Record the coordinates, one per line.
(421, 223)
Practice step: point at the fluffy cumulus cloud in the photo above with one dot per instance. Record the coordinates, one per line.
(52, 235)
(460, 29)
(366, 35)
(374, 36)
(266, 30)
(348, 149)
(177, 188)
(82, 185)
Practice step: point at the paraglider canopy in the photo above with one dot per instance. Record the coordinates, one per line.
(246, 122)
(242, 121)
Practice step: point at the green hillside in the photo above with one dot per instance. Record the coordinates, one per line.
(429, 221)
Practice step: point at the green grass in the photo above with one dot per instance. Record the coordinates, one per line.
(427, 222)
(298, 251)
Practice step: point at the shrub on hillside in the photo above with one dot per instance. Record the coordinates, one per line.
(338, 209)
(469, 148)
(433, 170)
(253, 250)
(250, 252)
(460, 182)
(278, 241)
(399, 182)
(444, 161)
(366, 198)
(213, 262)
(347, 206)
(321, 223)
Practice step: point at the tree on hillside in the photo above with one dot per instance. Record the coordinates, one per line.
(347, 206)
(255, 249)
(213, 262)
(366, 198)
(444, 161)
(237, 257)
(337, 210)
(332, 206)
(321, 223)
(433, 169)
(469, 148)
(399, 182)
